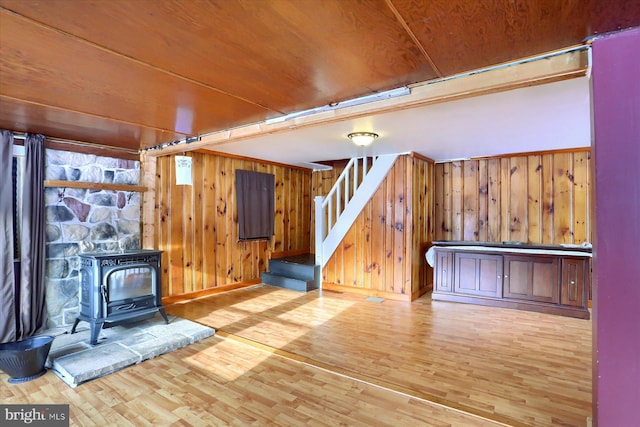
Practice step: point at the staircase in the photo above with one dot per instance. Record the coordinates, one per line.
(335, 214)
(299, 273)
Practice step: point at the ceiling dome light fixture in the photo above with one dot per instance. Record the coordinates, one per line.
(362, 138)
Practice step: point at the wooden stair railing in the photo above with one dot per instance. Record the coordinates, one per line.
(336, 212)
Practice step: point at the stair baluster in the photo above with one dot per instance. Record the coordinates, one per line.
(359, 179)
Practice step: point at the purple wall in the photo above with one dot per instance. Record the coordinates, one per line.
(616, 265)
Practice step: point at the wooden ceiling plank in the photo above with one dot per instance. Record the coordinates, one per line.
(272, 53)
(19, 115)
(45, 67)
(131, 58)
(97, 117)
(413, 37)
(463, 35)
(198, 67)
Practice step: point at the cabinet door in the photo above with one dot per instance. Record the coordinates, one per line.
(478, 274)
(443, 271)
(533, 278)
(572, 290)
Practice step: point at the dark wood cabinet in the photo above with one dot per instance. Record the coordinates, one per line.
(477, 274)
(533, 278)
(545, 279)
(575, 273)
(444, 271)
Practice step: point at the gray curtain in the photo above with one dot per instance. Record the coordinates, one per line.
(256, 205)
(7, 283)
(32, 284)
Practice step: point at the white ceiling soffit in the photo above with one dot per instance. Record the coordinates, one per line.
(537, 118)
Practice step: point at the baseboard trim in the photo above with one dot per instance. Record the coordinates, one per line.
(417, 294)
(188, 296)
(367, 292)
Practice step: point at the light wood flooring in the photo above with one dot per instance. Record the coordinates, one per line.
(325, 358)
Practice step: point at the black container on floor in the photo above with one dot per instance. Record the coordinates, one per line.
(24, 360)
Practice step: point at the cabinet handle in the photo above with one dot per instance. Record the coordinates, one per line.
(500, 277)
(506, 277)
(573, 282)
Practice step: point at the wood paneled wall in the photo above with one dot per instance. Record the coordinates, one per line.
(535, 198)
(383, 252)
(422, 226)
(196, 226)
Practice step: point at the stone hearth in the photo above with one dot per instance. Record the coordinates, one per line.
(75, 361)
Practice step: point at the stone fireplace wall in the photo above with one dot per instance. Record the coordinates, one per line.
(85, 220)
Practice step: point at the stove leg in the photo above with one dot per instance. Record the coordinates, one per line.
(75, 325)
(164, 314)
(95, 331)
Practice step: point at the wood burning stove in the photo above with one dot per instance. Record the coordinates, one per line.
(119, 287)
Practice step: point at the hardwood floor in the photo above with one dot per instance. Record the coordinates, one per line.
(324, 358)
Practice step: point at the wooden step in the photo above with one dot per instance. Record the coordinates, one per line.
(288, 282)
(296, 272)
